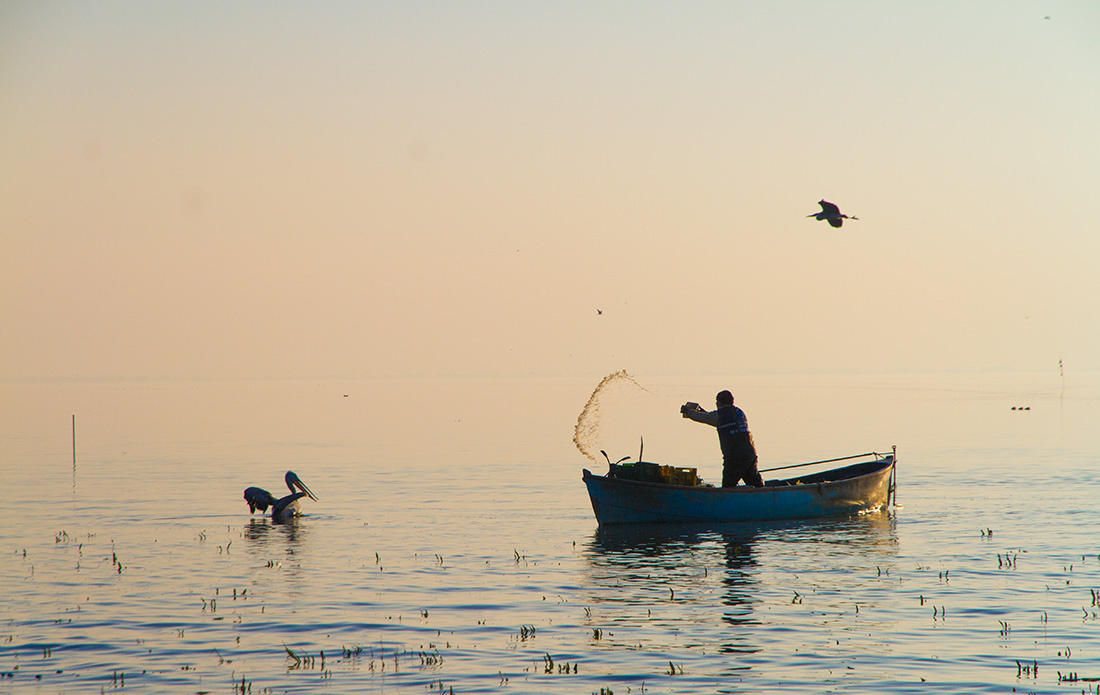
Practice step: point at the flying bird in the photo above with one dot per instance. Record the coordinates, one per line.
(283, 509)
(830, 212)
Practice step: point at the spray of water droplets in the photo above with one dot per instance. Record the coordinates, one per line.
(586, 431)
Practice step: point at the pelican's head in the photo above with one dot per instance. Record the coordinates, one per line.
(295, 483)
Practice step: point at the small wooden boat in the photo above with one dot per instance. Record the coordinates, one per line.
(855, 488)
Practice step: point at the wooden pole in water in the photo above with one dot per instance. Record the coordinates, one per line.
(894, 476)
(74, 442)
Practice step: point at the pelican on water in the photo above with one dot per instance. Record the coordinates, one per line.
(281, 509)
(830, 212)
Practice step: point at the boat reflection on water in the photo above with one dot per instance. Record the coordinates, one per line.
(637, 563)
(663, 577)
(667, 577)
(871, 533)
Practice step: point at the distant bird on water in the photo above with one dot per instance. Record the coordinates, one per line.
(283, 509)
(830, 212)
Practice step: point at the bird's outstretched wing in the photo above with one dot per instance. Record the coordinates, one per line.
(829, 209)
(258, 498)
(280, 507)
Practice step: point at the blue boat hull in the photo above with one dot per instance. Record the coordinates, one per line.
(849, 490)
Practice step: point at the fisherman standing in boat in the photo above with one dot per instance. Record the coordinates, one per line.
(738, 451)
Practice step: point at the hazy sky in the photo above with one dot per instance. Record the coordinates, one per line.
(268, 189)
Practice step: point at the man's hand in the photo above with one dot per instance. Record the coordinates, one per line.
(689, 407)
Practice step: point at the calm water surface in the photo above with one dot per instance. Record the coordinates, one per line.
(453, 545)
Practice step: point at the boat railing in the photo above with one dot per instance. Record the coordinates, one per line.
(815, 463)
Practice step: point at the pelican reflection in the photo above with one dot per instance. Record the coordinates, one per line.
(259, 534)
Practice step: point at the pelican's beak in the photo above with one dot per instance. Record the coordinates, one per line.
(297, 482)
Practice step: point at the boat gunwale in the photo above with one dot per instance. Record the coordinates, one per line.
(887, 460)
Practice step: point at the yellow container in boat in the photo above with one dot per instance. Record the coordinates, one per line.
(674, 475)
(655, 473)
